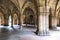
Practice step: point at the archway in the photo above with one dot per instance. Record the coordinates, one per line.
(29, 17)
(15, 19)
(1, 19)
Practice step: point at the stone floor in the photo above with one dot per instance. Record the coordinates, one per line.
(7, 33)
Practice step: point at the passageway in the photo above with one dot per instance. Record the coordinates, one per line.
(29, 19)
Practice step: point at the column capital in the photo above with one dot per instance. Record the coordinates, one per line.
(44, 11)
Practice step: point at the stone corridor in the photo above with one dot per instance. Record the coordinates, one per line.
(29, 19)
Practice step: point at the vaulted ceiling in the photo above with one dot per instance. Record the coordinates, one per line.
(7, 6)
(53, 4)
(14, 4)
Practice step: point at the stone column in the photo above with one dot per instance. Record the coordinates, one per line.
(21, 21)
(18, 21)
(58, 21)
(54, 22)
(43, 23)
(5, 21)
(12, 21)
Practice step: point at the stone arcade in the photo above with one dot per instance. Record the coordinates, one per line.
(44, 15)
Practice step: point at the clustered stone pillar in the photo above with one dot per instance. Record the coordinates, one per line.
(58, 21)
(21, 22)
(53, 22)
(43, 23)
(12, 21)
(18, 20)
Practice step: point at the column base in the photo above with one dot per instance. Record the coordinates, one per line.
(43, 33)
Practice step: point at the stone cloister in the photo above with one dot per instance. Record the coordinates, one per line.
(43, 14)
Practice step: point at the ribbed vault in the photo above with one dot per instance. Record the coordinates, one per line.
(7, 6)
(54, 4)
